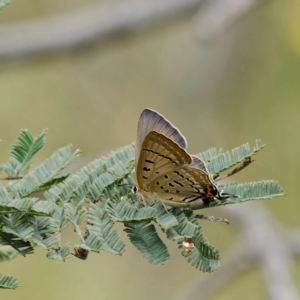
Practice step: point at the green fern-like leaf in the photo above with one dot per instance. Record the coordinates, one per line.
(75, 214)
(45, 232)
(60, 254)
(164, 219)
(145, 238)
(204, 257)
(8, 282)
(114, 164)
(101, 183)
(260, 190)
(219, 161)
(100, 179)
(5, 197)
(53, 182)
(112, 177)
(113, 244)
(18, 225)
(100, 224)
(116, 194)
(7, 253)
(99, 195)
(125, 212)
(186, 228)
(93, 242)
(37, 179)
(64, 192)
(58, 219)
(25, 148)
(4, 3)
(23, 247)
(29, 206)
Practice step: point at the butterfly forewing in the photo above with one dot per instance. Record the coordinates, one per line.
(158, 155)
(152, 121)
(198, 164)
(184, 184)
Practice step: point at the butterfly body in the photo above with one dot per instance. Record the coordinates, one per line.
(164, 170)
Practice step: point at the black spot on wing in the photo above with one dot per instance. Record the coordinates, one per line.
(197, 190)
(149, 161)
(146, 169)
(176, 172)
(159, 154)
(191, 181)
(177, 182)
(191, 198)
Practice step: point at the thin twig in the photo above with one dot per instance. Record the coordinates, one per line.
(239, 168)
(93, 23)
(9, 178)
(263, 241)
(211, 218)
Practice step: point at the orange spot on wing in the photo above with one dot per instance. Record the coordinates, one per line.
(209, 192)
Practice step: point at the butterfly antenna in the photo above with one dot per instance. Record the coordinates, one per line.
(112, 173)
(127, 184)
(225, 196)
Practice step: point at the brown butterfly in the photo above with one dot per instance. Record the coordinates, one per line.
(163, 168)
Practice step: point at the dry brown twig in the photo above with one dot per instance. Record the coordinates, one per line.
(263, 241)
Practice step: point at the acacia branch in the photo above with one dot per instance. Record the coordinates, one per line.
(87, 25)
(217, 16)
(262, 241)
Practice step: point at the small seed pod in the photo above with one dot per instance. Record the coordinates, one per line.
(188, 245)
(81, 253)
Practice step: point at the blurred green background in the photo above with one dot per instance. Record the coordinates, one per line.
(238, 86)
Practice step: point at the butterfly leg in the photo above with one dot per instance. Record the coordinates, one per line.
(141, 199)
(162, 202)
(212, 219)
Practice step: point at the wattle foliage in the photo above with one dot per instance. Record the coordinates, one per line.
(93, 199)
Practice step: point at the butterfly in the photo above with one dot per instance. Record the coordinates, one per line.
(163, 168)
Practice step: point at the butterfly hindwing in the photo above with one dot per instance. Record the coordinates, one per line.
(166, 171)
(198, 164)
(185, 184)
(158, 155)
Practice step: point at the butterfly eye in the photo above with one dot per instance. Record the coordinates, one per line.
(134, 190)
